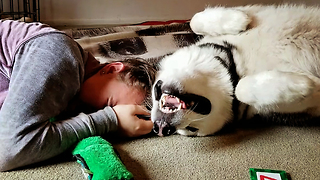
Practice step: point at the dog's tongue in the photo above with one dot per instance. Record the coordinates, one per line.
(173, 101)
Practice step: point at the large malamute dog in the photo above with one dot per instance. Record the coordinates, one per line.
(253, 61)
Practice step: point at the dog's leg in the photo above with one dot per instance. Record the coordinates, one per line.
(272, 88)
(200, 128)
(219, 21)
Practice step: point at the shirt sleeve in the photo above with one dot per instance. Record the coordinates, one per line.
(47, 74)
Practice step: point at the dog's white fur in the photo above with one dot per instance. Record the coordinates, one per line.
(277, 57)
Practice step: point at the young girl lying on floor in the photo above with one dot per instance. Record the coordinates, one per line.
(53, 94)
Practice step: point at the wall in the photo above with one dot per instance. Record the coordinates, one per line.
(101, 12)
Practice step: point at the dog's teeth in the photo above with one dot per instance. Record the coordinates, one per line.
(162, 101)
(160, 104)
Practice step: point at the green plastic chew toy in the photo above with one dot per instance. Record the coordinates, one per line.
(99, 160)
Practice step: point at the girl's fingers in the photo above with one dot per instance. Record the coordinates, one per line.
(141, 110)
(145, 127)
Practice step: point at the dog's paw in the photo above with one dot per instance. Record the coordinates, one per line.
(273, 88)
(219, 21)
(186, 132)
(192, 130)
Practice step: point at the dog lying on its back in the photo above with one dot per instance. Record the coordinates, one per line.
(253, 61)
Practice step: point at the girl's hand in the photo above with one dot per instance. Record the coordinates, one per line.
(128, 122)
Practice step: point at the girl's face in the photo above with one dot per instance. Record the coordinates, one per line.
(104, 89)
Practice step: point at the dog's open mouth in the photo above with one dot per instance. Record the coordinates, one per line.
(172, 100)
(170, 104)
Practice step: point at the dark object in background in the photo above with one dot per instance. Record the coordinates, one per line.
(23, 10)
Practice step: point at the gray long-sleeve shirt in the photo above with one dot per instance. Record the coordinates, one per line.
(44, 69)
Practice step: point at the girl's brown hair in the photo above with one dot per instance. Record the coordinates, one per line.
(138, 73)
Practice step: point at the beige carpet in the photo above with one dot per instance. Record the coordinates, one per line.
(225, 156)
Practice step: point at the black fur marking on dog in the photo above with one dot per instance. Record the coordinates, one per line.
(230, 65)
(199, 105)
(222, 61)
(157, 90)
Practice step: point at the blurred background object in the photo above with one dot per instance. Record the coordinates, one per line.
(22, 10)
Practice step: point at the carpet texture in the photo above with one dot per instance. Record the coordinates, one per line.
(229, 155)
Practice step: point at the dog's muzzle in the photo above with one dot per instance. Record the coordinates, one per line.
(171, 102)
(163, 128)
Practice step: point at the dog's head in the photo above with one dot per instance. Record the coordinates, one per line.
(193, 92)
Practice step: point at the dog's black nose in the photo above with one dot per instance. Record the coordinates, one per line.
(163, 128)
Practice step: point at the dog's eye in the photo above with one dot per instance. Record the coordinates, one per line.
(192, 129)
(157, 90)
